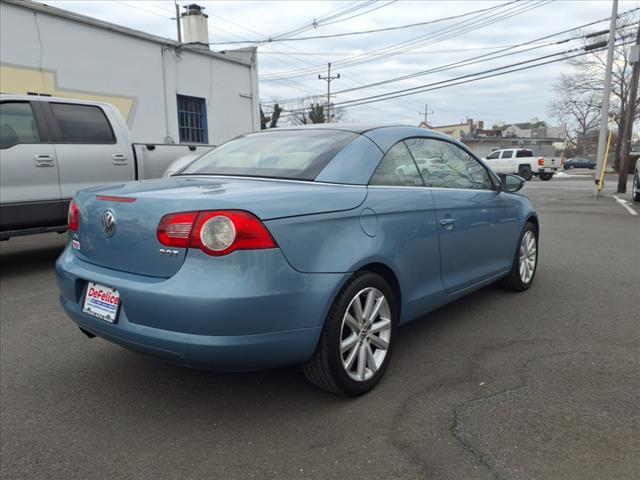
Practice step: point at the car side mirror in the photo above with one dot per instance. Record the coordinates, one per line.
(511, 183)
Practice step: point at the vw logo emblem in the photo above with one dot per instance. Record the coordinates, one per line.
(108, 223)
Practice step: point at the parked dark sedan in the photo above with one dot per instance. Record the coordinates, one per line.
(579, 163)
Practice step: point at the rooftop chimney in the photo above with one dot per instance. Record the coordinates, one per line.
(195, 26)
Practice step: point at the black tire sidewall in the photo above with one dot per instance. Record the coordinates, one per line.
(333, 331)
(526, 173)
(515, 269)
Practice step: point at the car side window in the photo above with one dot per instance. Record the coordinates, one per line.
(524, 154)
(507, 154)
(397, 168)
(17, 124)
(444, 165)
(495, 155)
(82, 124)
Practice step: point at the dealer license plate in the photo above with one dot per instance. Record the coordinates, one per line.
(102, 302)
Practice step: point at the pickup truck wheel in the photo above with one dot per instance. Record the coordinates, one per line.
(545, 176)
(356, 342)
(525, 172)
(525, 261)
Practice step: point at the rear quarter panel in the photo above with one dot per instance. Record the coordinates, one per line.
(395, 226)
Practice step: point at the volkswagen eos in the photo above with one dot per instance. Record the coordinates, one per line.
(308, 245)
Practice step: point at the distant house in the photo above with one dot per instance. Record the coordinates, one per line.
(457, 130)
(534, 129)
(483, 146)
(535, 135)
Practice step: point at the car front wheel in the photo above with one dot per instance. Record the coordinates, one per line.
(525, 261)
(356, 342)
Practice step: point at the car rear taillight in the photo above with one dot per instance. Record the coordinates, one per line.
(562, 160)
(541, 161)
(174, 229)
(215, 232)
(73, 218)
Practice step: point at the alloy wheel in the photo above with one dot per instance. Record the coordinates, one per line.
(365, 334)
(528, 256)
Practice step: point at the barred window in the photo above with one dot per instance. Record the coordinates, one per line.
(192, 119)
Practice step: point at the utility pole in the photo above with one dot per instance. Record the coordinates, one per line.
(634, 58)
(328, 79)
(426, 113)
(178, 22)
(604, 110)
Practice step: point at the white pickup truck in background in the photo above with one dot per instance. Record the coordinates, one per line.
(52, 147)
(523, 162)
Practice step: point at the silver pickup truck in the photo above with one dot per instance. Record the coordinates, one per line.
(52, 147)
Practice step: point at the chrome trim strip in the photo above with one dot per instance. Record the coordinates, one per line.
(434, 188)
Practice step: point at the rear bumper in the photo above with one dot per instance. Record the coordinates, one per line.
(252, 311)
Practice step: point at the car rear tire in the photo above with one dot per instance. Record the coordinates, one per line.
(635, 190)
(357, 339)
(525, 172)
(525, 261)
(545, 176)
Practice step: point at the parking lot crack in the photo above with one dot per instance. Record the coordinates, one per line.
(457, 426)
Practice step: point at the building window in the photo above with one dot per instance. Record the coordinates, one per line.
(192, 119)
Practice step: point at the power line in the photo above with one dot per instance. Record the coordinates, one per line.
(324, 24)
(414, 52)
(387, 50)
(322, 20)
(479, 58)
(468, 78)
(439, 35)
(144, 10)
(298, 52)
(295, 56)
(375, 30)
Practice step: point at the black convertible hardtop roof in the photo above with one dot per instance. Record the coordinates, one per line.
(346, 127)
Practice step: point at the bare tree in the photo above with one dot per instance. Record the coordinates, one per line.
(579, 111)
(313, 110)
(588, 79)
(272, 120)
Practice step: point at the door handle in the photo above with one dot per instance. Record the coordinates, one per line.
(43, 160)
(119, 158)
(447, 222)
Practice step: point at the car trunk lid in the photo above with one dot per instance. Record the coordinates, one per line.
(137, 208)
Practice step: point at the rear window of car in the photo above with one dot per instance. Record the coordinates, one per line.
(82, 124)
(524, 153)
(290, 154)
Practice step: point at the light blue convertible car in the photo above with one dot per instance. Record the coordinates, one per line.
(307, 245)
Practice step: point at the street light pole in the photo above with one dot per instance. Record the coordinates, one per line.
(630, 114)
(328, 79)
(604, 110)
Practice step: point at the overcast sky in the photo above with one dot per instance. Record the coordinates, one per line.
(517, 97)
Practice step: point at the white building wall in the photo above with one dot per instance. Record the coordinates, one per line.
(93, 62)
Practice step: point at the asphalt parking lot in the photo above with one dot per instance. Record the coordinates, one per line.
(539, 385)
